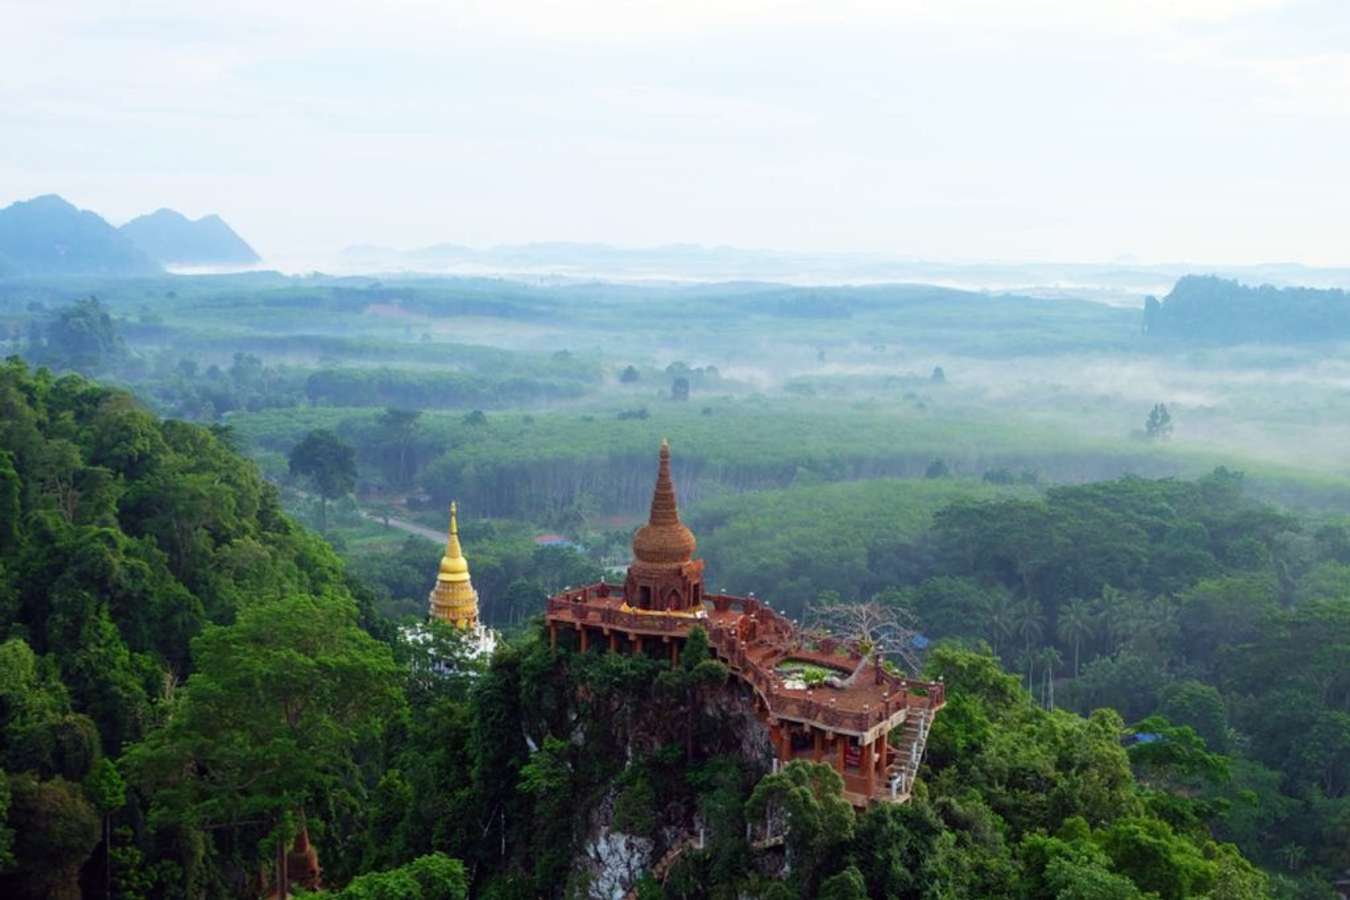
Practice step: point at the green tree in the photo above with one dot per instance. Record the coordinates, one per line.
(1029, 622)
(398, 429)
(1174, 755)
(81, 337)
(1000, 618)
(1158, 860)
(279, 702)
(329, 464)
(1199, 706)
(808, 800)
(1077, 623)
(55, 831)
(432, 877)
(107, 791)
(1159, 424)
(846, 885)
(937, 469)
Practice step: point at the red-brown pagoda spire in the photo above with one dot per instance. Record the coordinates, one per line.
(664, 540)
(664, 574)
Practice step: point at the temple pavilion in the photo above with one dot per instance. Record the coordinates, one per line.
(866, 721)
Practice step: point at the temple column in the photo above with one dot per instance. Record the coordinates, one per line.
(553, 635)
(817, 744)
(869, 769)
(674, 653)
(637, 644)
(613, 642)
(883, 753)
(782, 742)
(585, 639)
(841, 745)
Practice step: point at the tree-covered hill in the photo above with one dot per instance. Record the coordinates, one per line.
(124, 539)
(189, 681)
(1209, 309)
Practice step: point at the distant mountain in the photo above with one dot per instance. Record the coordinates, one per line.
(172, 238)
(49, 236)
(1209, 309)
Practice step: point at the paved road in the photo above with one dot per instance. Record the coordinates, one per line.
(430, 534)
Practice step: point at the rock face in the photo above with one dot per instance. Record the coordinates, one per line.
(49, 236)
(611, 862)
(171, 238)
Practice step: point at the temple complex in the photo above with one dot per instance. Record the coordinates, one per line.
(866, 721)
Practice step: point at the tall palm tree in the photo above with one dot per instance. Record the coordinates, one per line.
(1050, 660)
(1029, 621)
(1026, 662)
(1077, 623)
(999, 619)
(1030, 625)
(1111, 610)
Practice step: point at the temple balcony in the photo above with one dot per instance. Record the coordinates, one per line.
(753, 641)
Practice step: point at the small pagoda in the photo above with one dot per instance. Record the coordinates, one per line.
(867, 722)
(453, 599)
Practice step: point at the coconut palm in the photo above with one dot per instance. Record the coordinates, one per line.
(998, 617)
(1077, 623)
(1026, 662)
(1050, 659)
(1029, 622)
(1112, 610)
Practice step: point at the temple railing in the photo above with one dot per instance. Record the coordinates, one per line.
(754, 647)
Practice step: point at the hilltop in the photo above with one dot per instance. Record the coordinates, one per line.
(1210, 309)
(170, 237)
(49, 236)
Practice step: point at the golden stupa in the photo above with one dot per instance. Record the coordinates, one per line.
(453, 599)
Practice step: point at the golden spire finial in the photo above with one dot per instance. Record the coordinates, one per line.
(454, 567)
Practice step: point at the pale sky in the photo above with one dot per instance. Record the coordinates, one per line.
(1204, 130)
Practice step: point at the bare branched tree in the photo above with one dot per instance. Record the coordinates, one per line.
(882, 630)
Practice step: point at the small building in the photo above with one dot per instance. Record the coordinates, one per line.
(555, 540)
(848, 720)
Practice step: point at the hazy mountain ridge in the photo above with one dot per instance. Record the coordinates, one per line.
(49, 236)
(172, 238)
(1121, 283)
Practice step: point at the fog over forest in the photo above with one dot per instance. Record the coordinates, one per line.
(1136, 504)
